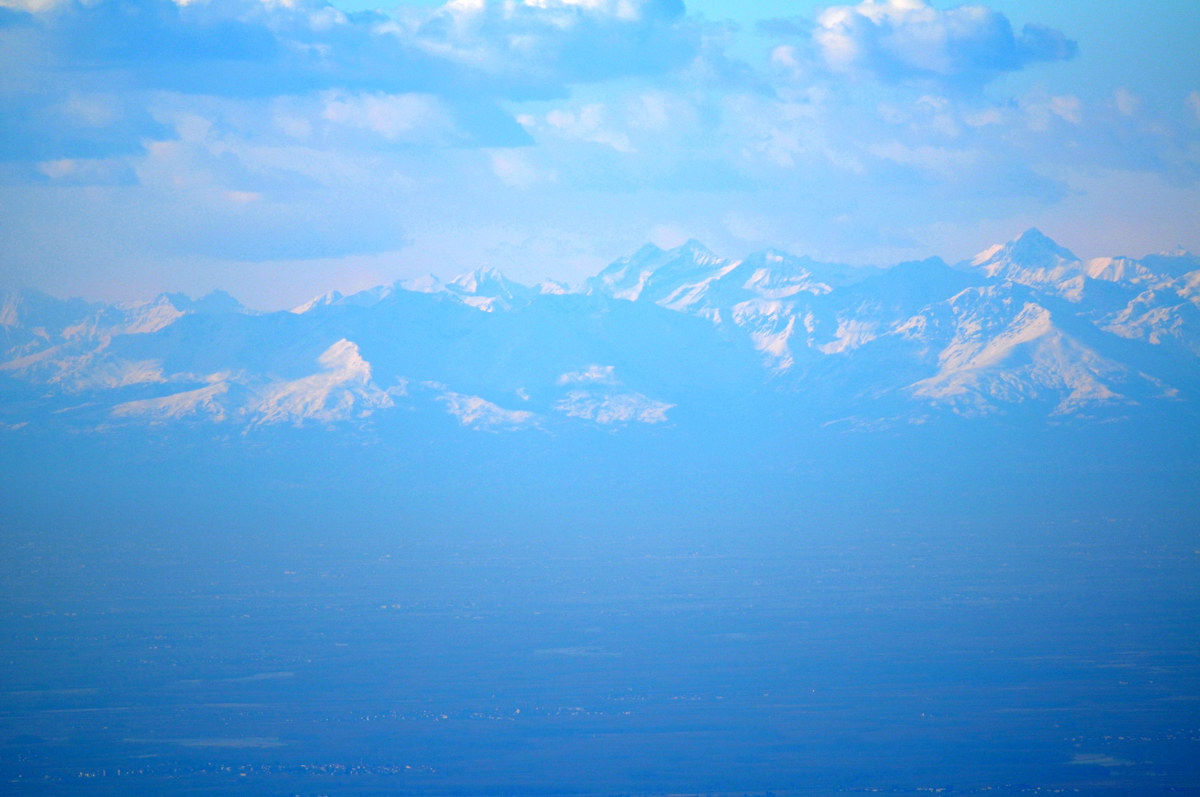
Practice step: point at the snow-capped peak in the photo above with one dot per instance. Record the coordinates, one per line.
(655, 274)
(325, 299)
(1032, 259)
(483, 281)
(1031, 250)
(487, 289)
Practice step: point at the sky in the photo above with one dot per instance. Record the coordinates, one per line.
(278, 149)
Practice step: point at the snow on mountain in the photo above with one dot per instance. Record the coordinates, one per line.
(768, 294)
(598, 395)
(39, 314)
(553, 288)
(342, 389)
(776, 275)
(488, 290)
(1120, 270)
(667, 277)
(324, 300)
(1178, 263)
(1166, 313)
(656, 336)
(1004, 349)
(770, 325)
(1034, 260)
(690, 278)
(67, 336)
(477, 412)
(598, 374)
(610, 408)
(367, 298)
(205, 403)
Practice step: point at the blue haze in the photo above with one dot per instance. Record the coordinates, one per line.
(683, 521)
(744, 598)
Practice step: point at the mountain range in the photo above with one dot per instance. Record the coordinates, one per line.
(1024, 329)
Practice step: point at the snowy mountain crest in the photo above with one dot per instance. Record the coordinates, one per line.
(1035, 260)
(488, 290)
(654, 336)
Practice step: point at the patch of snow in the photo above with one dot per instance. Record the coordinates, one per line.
(613, 408)
(986, 255)
(850, 335)
(592, 373)
(479, 413)
(775, 344)
(202, 402)
(10, 315)
(324, 300)
(342, 390)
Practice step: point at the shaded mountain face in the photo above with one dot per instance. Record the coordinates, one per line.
(659, 337)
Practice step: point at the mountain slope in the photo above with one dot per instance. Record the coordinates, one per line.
(658, 337)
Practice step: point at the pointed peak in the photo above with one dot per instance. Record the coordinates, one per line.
(553, 287)
(645, 252)
(653, 252)
(331, 297)
(1030, 249)
(484, 272)
(218, 301)
(694, 252)
(1033, 234)
(484, 279)
(1033, 243)
(692, 245)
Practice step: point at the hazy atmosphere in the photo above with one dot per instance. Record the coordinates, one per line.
(595, 398)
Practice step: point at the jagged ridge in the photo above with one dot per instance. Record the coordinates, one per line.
(659, 332)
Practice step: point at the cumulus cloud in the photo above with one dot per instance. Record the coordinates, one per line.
(412, 118)
(536, 48)
(901, 40)
(468, 53)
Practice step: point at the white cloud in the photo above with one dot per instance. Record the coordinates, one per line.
(1193, 104)
(1127, 103)
(405, 118)
(32, 6)
(514, 168)
(93, 110)
(589, 123)
(1042, 111)
(901, 39)
(542, 45)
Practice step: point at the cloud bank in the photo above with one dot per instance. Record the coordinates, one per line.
(159, 140)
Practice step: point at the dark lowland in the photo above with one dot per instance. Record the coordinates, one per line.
(971, 608)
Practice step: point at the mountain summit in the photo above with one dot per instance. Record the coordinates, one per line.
(1033, 259)
(1024, 327)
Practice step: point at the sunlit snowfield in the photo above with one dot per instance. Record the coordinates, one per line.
(252, 634)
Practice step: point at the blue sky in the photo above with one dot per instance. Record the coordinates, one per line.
(279, 149)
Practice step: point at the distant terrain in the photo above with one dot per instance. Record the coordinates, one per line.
(659, 337)
(699, 526)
